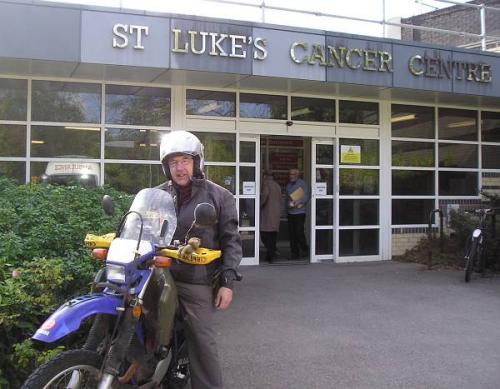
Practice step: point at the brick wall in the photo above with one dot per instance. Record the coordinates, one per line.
(403, 242)
(455, 18)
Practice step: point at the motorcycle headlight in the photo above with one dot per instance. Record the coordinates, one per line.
(115, 273)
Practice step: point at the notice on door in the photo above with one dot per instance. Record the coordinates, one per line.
(249, 187)
(350, 154)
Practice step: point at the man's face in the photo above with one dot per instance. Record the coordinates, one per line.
(293, 174)
(181, 169)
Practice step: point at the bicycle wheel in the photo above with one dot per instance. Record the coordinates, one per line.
(470, 259)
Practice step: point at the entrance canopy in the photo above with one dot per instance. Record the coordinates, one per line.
(95, 43)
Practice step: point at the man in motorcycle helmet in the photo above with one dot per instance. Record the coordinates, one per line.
(181, 155)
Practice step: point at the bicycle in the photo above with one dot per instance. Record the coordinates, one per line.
(476, 244)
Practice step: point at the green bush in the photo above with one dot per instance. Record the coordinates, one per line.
(43, 262)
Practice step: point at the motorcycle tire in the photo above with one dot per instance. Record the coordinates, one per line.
(56, 373)
(470, 260)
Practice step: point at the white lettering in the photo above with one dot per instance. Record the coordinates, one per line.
(177, 48)
(303, 45)
(260, 52)
(216, 44)
(138, 39)
(193, 34)
(117, 30)
(234, 46)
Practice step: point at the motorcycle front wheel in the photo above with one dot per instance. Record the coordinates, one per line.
(70, 369)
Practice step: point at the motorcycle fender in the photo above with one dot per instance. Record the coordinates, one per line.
(70, 315)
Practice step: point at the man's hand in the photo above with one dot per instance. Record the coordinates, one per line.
(223, 298)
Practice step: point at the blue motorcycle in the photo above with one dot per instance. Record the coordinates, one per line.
(136, 338)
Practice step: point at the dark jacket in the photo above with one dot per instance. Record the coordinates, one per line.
(222, 236)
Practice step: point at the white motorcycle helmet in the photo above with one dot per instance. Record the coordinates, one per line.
(178, 143)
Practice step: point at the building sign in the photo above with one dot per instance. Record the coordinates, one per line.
(201, 42)
(435, 67)
(341, 57)
(348, 56)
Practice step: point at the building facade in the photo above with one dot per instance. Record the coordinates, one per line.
(383, 131)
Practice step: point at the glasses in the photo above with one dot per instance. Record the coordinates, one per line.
(184, 162)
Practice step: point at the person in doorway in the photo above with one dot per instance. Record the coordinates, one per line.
(270, 209)
(181, 155)
(297, 196)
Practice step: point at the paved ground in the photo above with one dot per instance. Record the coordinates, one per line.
(377, 325)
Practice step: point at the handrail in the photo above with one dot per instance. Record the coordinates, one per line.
(480, 7)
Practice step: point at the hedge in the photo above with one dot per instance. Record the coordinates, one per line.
(43, 263)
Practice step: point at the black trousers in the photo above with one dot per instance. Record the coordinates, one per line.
(197, 307)
(297, 237)
(269, 240)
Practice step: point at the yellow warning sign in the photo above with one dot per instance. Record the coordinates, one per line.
(350, 154)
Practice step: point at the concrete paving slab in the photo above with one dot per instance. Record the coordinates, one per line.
(369, 325)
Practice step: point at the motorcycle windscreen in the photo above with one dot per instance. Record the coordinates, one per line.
(157, 210)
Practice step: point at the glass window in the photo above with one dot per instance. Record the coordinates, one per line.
(412, 121)
(324, 212)
(314, 110)
(12, 140)
(358, 112)
(224, 176)
(137, 105)
(457, 124)
(247, 174)
(324, 242)
(367, 148)
(55, 101)
(247, 213)
(491, 157)
(358, 182)
(358, 242)
(412, 182)
(13, 99)
(412, 153)
(210, 103)
(457, 183)
(131, 178)
(324, 154)
(68, 141)
(457, 155)
(219, 147)
(14, 169)
(127, 143)
(66, 173)
(358, 212)
(325, 177)
(411, 211)
(248, 243)
(247, 151)
(263, 106)
(490, 127)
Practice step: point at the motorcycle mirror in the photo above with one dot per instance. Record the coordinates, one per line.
(205, 215)
(164, 227)
(107, 205)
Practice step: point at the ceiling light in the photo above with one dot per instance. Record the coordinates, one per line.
(404, 118)
(465, 123)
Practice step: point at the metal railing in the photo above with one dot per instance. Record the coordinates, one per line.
(482, 37)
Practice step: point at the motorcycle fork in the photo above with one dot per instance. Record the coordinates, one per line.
(123, 334)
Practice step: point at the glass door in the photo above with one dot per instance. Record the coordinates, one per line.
(358, 200)
(248, 197)
(322, 200)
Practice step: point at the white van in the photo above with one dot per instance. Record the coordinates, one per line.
(72, 173)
